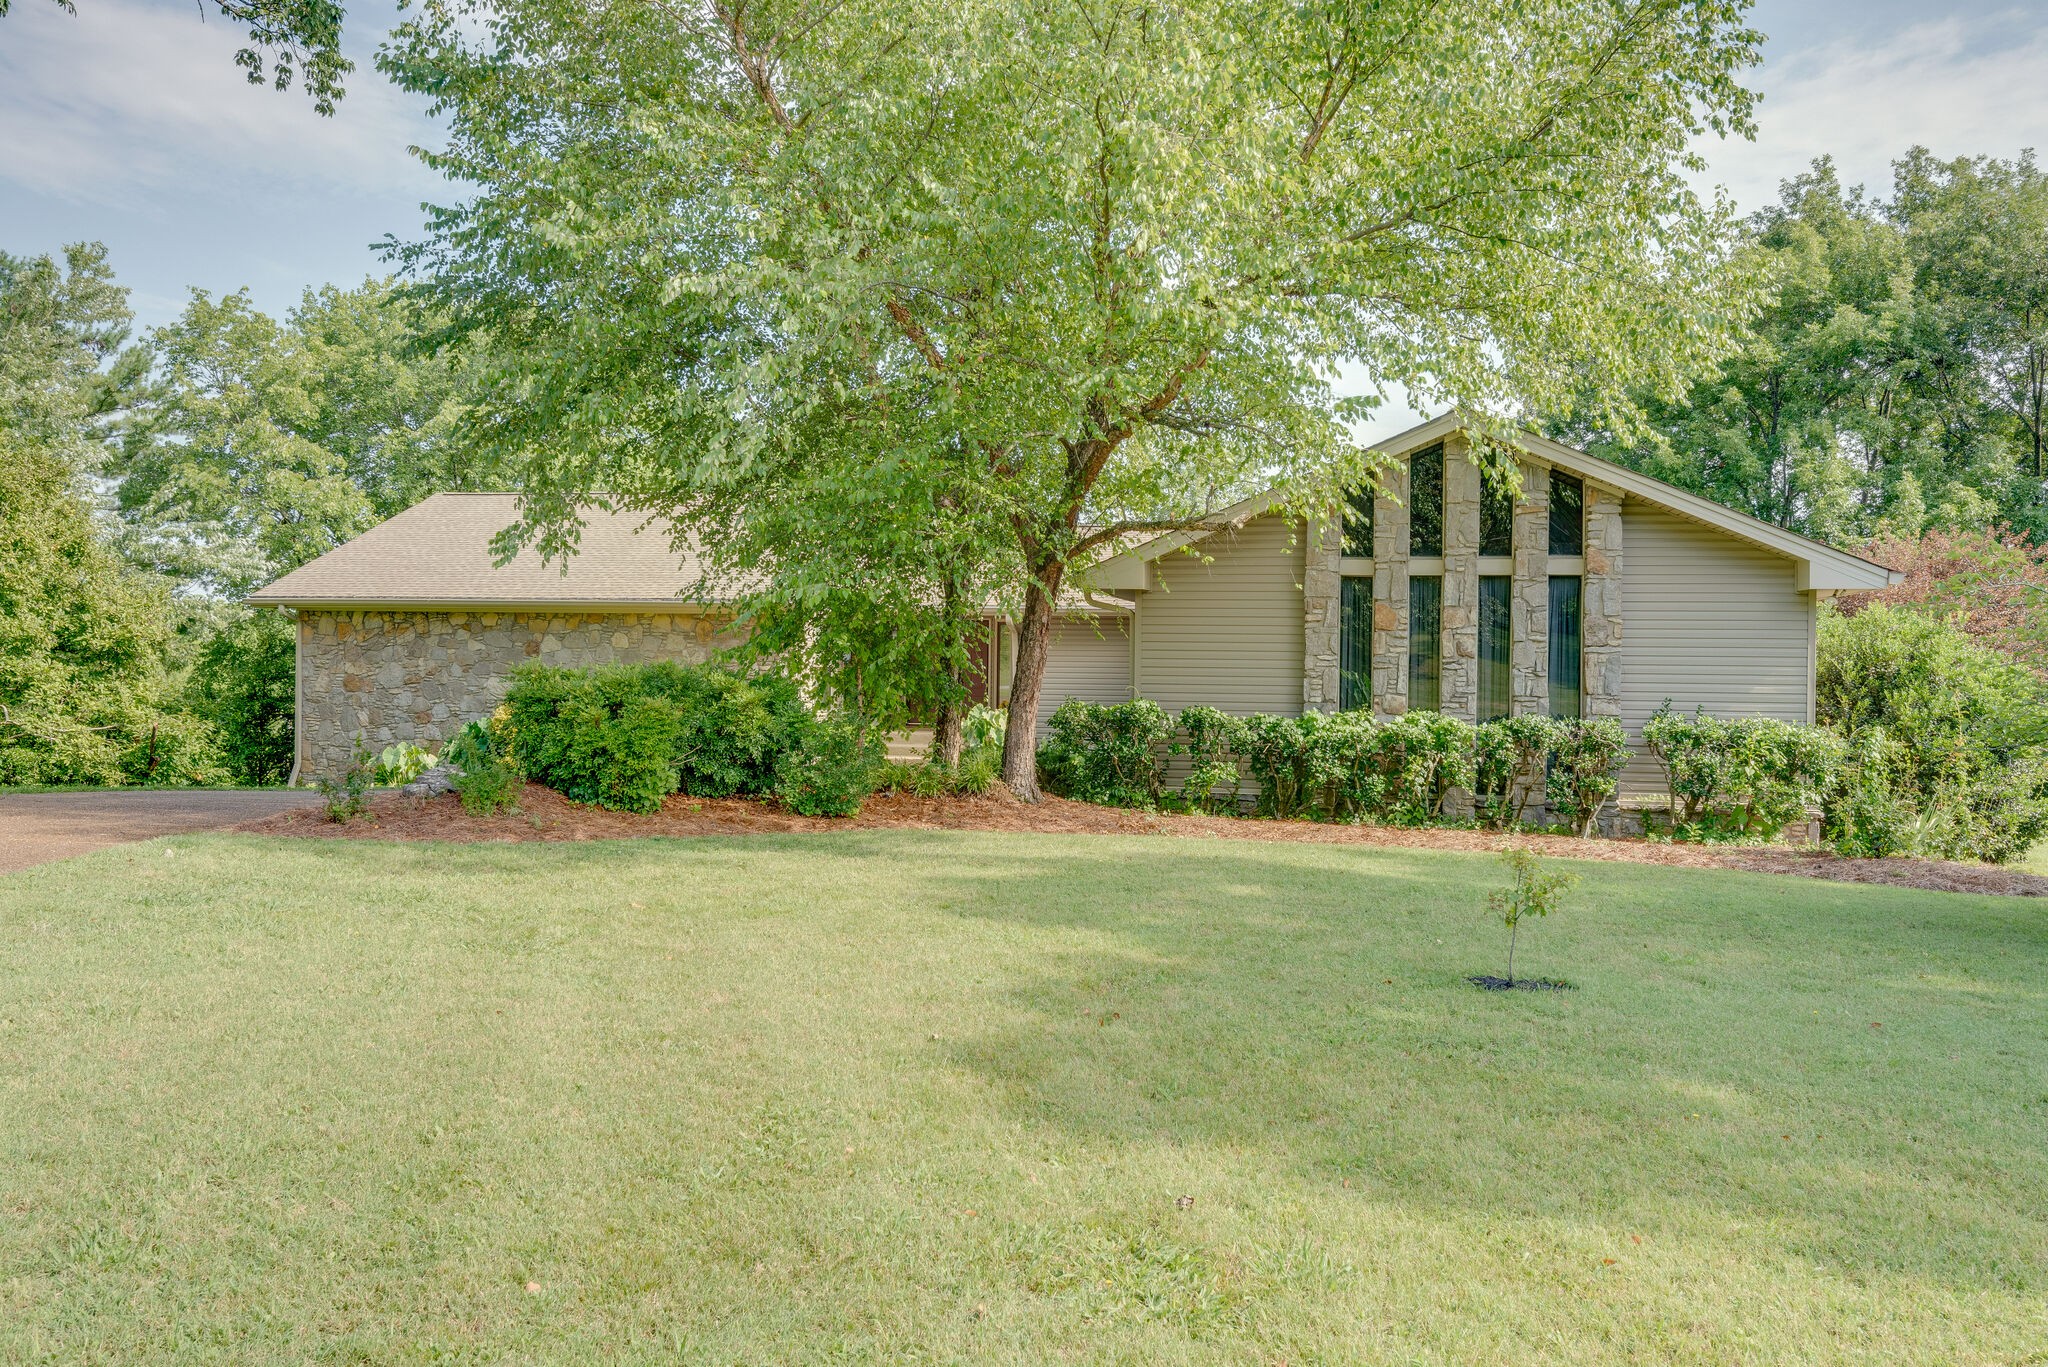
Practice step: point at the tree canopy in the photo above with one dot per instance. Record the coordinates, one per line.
(288, 40)
(1116, 252)
(1897, 381)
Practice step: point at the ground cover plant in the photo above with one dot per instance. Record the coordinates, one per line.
(888, 1096)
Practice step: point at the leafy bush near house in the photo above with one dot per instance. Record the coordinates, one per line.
(1343, 766)
(402, 762)
(1586, 761)
(1211, 740)
(1744, 779)
(486, 781)
(830, 769)
(1511, 762)
(626, 736)
(347, 796)
(1112, 755)
(1947, 739)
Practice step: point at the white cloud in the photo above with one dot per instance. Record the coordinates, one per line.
(1960, 86)
(126, 101)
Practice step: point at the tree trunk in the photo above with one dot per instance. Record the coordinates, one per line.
(947, 739)
(946, 732)
(1034, 633)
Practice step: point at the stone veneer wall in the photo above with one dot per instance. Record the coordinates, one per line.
(1529, 597)
(1460, 688)
(1529, 604)
(1390, 593)
(390, 676)
(1322, 603)
(1600, 646)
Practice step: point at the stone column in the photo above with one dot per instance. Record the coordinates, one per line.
(1461, 581)
(1529, 608)
(1322, 602)
(1601, 670)
(1390, 593)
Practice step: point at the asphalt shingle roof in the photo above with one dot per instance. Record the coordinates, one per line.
(438, 552)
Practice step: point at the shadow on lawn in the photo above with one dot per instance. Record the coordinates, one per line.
(1313, 1008)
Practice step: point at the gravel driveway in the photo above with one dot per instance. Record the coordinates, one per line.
(38, 827)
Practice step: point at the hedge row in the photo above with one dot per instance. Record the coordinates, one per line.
(1337, 766)
(626, 736)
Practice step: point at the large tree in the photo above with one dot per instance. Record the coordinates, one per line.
(1120, 248)
(1898, 379)
(85, 696)
(262, 444)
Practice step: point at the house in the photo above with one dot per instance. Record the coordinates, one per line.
(1597, 591)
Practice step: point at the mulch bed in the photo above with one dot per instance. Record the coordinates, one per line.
(546, 815)
(1488, 982)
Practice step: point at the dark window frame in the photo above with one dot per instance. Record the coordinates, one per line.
(1496, 646)
(1425, 665)
(1354, 642)
(1426, 495)
(1567, 515)
(1567, 645)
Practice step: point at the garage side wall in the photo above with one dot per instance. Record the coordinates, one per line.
(390, 676)
(1225, 629)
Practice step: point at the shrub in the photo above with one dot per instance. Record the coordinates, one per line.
(1211, 740)
(598, 737)
(1112, 755)
(347, 797)
(735, 727)
(1423, 756)
(244, 680)
(1947, 739)
(1275, 755)
(830, 769)
(485, 781)
(1511, 760)
(1742, 779)
(1585, 769)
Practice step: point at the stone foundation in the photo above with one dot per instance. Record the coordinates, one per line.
(421, 676)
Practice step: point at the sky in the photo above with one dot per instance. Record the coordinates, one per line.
(127, 123)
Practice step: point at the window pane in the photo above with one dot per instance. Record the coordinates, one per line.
(1564, 645)
(1426, 502)
(1358, 523)
(1354, 645)
(1425, 643)
(1567, 515)
(1496, 519)
(1493, 645)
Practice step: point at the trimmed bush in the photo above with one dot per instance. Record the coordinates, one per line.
(624, 737)
(830, 770)
(1586, 760)
(1111, 755)
(1511, 762)
(1741, 780)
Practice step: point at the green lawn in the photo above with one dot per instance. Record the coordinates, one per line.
(887, 1097)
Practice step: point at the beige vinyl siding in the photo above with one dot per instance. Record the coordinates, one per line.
(1707, 620)
(1227, 633)
(1088, 658)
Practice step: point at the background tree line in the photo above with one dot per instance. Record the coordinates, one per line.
(147, 485)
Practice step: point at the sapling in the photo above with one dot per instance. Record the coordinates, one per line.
(1534, 892)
